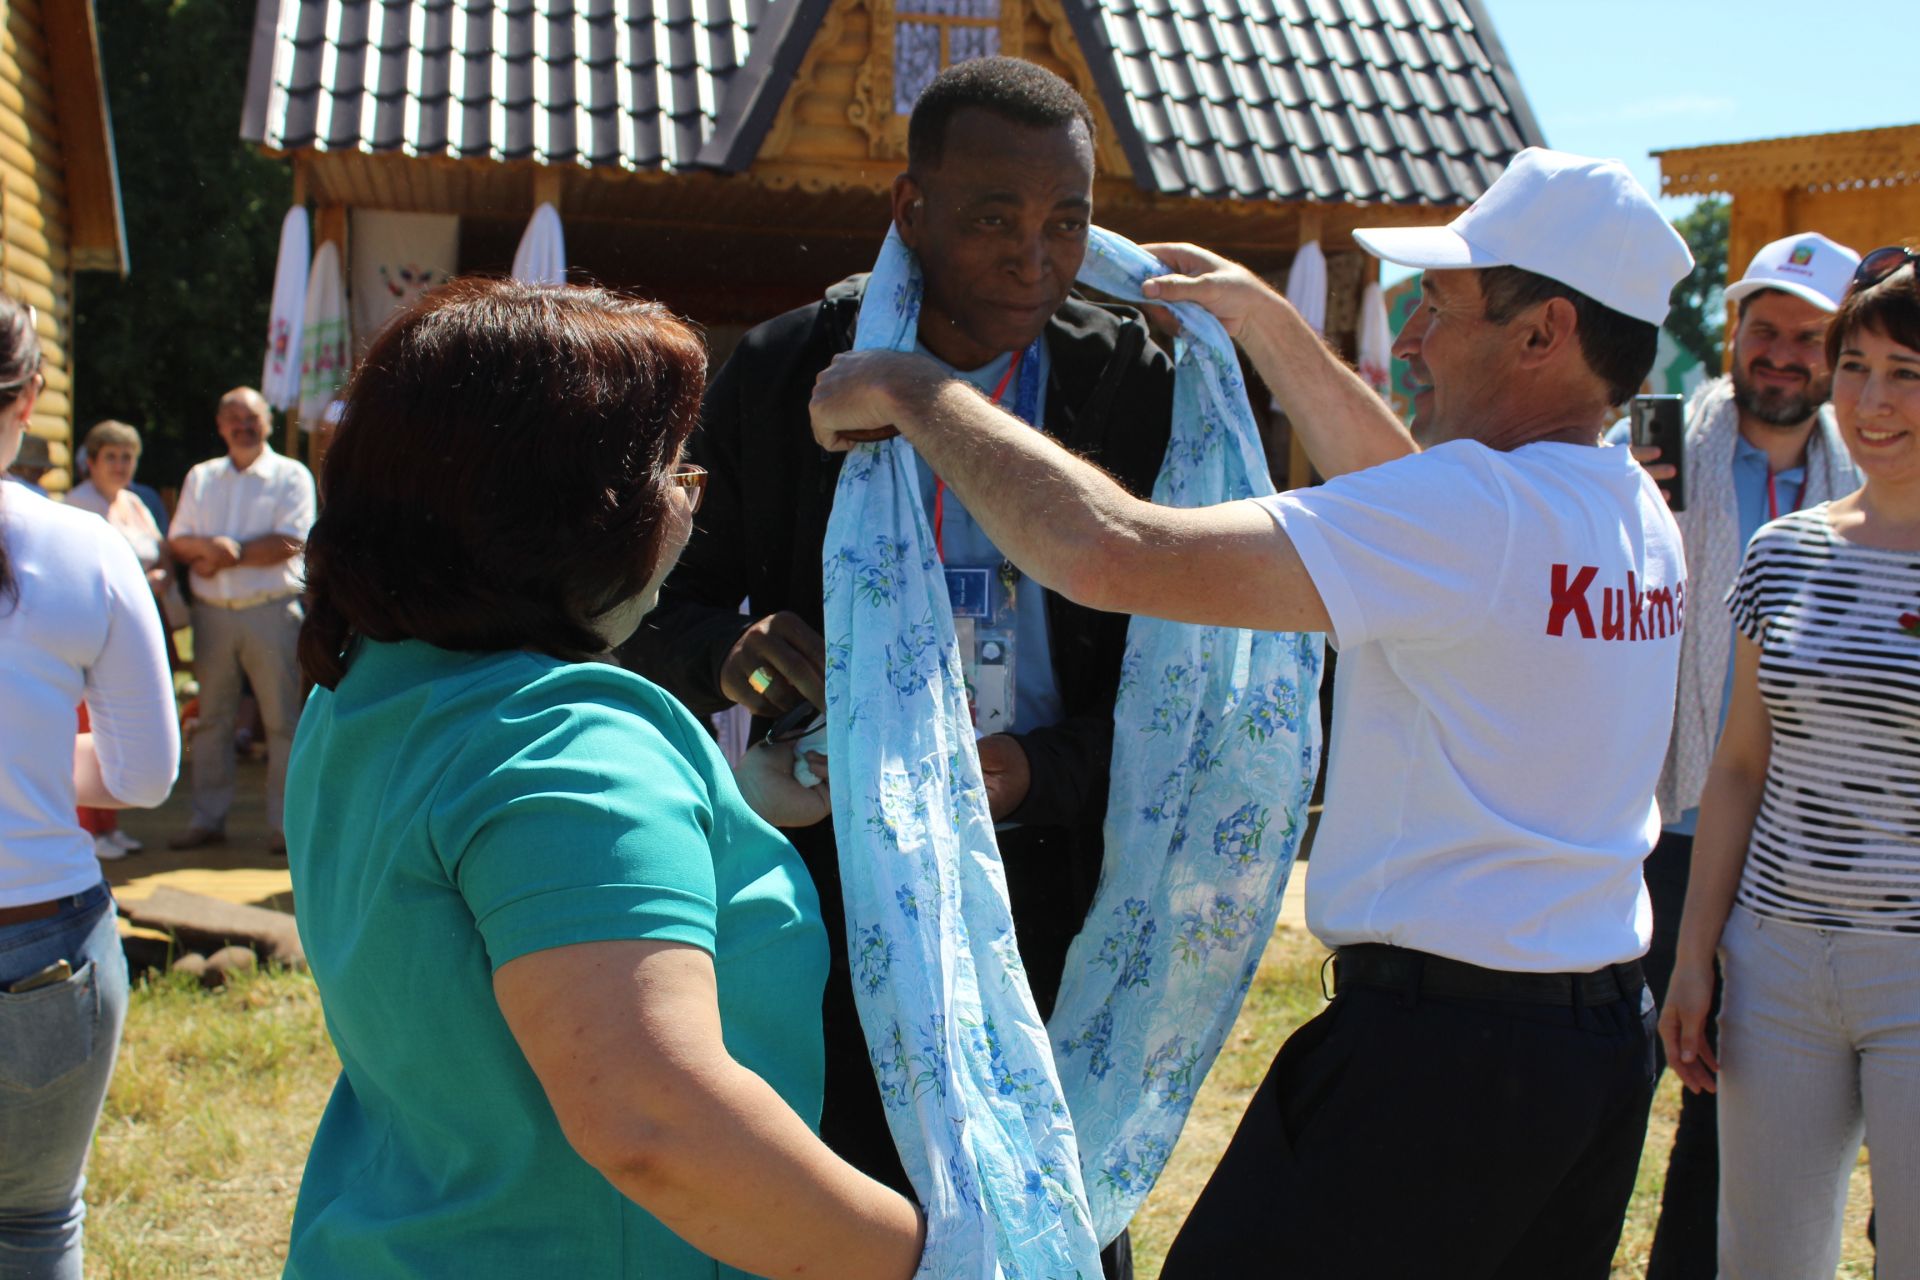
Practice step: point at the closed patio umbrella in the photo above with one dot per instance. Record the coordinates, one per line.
(280, 376)
(542, 255)
(324, 360)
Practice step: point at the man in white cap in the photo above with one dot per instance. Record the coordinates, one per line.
(1507, 606)
(1760, 442)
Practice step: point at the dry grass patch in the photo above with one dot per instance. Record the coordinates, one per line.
(213, 1104)
(217, 1094)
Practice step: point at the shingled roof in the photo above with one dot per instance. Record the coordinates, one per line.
(1373, 101)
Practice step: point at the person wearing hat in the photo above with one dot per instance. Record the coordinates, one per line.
(1761, 442)
(1507, 602)
(32, 464)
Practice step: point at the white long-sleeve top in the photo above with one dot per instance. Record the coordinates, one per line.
(81, 626)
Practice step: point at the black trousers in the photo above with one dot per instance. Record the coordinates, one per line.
(1686, 1241)
(1401, 1134)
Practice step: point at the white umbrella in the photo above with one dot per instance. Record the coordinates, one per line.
(542, 255)
(1307, 285)
(280, 377)
(1376, 340)
(323, 345)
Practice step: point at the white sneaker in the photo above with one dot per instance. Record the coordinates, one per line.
(125, 841)
(106, 850)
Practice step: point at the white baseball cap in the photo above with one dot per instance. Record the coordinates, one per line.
(1583, 222)
(1807, 266)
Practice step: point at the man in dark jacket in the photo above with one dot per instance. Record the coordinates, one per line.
(995, 204)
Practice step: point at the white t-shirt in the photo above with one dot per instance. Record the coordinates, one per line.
(81, 628)
(274, 495)
(1509, 634)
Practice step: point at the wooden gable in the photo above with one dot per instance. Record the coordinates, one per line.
(840, 124)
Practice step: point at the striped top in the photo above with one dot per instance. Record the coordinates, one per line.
(1837, 840)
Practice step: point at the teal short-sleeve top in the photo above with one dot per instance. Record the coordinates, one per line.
(446, 813)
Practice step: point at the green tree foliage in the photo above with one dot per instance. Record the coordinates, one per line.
(1699, 311)
(203, 213)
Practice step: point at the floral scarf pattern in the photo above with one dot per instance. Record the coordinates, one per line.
(1031, 1145)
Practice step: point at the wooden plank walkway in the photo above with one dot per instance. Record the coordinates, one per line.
(240, 871)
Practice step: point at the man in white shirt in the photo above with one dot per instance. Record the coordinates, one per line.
(1507, 606)
(240, 529)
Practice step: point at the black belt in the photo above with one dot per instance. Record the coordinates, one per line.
(1373, 964)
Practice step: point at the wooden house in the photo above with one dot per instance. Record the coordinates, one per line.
(59, 190)
(1860, 188)
(732, 157)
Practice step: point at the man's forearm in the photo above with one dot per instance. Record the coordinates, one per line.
(187, 546)
(270, 549)
(1341, 422)
(1050, 512)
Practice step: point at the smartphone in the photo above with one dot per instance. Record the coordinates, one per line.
(1658, 421)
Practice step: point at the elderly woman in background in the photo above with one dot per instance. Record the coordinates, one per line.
(113, 452)
(1806, 867)
(574, 980)
(77, 624)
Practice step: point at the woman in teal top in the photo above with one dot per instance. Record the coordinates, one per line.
(574, 979)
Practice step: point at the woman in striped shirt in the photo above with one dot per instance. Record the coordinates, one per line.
(1806, 866)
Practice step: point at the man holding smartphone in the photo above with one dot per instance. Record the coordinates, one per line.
(1507, 605)
(1760, 442)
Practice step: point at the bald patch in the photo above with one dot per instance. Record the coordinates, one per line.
(246, 397)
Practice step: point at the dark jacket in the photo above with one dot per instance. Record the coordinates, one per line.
(759, 535)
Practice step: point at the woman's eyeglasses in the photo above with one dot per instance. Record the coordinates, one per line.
(694, 480)
(1881, 263)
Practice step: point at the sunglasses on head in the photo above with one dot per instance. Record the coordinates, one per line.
(1881, 263)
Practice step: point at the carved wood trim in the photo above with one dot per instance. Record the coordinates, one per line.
(871, 110)
(780, 135)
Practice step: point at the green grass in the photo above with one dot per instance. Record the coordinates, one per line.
(216, 1096)
(199, 1153)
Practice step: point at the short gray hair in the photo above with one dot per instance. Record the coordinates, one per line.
(108, 433)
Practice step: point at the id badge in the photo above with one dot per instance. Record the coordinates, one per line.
(984, 618)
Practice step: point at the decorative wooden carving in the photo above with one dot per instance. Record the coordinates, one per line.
(872, 109)
(805, 79)
(1832, 161)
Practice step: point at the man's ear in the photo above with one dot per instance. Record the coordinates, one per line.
(909, 208)
(1546, 332)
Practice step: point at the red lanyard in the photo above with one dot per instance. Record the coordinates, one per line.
(940, 486)
(1773, 499)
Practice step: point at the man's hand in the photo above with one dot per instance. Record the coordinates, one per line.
(863, 395)
(792, 657)
(1227, 289)
(1683, 1027)
(223, 553)
(1003, 767)
(1645, 454)
(766, 781)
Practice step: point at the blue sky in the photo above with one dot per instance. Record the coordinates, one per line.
(1621, 78)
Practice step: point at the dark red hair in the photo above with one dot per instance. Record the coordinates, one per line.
(499, 477)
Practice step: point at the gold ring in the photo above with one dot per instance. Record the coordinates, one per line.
(761, 679)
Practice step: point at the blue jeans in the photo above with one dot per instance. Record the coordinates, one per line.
(57, 1047)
